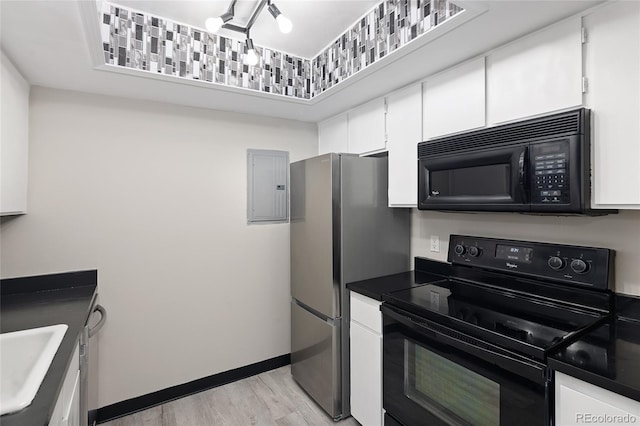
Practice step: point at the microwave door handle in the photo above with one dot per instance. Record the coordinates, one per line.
(521, 165)
(522, 175)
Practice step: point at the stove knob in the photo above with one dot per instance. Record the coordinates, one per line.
(556, 263)
(459, 249)
(474, 251)
(579, 266)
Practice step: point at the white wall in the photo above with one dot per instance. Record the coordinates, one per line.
(154, 197)
(620, 232)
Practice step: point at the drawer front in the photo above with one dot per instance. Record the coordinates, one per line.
(366, 312)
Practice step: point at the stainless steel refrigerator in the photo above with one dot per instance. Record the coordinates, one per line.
(342, 230)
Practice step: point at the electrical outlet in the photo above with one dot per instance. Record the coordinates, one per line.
(435, 243)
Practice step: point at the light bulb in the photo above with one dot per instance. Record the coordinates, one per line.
(251, 58)
(214, 24)
(284, 24)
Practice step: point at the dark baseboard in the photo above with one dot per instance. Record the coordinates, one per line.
(133, 405)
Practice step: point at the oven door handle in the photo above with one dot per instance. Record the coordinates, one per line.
(533, 371)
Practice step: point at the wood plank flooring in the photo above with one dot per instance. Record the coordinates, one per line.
(269, 399)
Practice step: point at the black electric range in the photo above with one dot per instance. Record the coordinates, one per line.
(472, 348)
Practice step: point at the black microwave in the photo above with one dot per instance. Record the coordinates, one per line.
(540, 165)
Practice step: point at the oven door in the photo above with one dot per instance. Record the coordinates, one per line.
(434, 375)
(486, 180)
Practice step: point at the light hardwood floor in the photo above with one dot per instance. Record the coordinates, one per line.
(269, 399)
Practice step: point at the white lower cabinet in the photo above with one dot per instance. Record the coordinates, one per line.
(366, 360)
(67, 408)
(578, 403)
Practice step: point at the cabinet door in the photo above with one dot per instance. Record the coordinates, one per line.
(579, 403)
(612, 67)
(14, 139)
(367, 128)
(333, 135)
(366, 375)
(404, 131)
(72, 416)
(454, 100)
(62, 409)
(536, 74)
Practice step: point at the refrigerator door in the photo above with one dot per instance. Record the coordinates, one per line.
(315, 358)
(315, 277)
(375, 239)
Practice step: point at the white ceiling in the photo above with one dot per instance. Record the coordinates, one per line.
(316, 23)
(47, 41)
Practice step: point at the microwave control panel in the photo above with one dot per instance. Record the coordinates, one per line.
(550, 173)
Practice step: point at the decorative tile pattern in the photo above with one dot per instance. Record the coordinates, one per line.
(391, 25)
(137, 40)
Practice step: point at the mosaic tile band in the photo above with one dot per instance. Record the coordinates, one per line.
(137, 40)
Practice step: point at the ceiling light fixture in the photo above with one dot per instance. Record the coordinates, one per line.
(284, 23)
(214, 24)
(252, 57)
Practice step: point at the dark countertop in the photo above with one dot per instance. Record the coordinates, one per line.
(609, 355)
(426, 271)
(41, 301)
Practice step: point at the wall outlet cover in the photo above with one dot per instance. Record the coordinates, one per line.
(435, 243)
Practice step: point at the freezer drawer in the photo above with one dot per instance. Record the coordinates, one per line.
(316, 358)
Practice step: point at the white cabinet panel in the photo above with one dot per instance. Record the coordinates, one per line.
(454, 100)
(367, 127)
(68, 403)
(333, 135)
(366, 311)
(612, 66)
(579, 403)
(72, 416)
(14, 139)
(366, 375)
(404, 131)
(536, 74)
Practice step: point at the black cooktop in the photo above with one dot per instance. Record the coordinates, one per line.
(526, 304)
(529, 325)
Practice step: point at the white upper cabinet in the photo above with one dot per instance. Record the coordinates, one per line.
(14, 139)
(404, 131)
(536, 74)
(612, 68)
(333, 135)
(367, 128)
(454, 100)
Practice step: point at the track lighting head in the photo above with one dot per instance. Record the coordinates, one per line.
(214, 24)
(252, 56)
(284, 23)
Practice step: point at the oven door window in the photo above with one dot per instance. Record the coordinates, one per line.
(435, 379)
(453, 393)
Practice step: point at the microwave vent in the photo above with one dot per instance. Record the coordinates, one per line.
(557, 125)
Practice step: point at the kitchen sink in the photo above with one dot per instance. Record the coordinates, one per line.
(25, 357)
